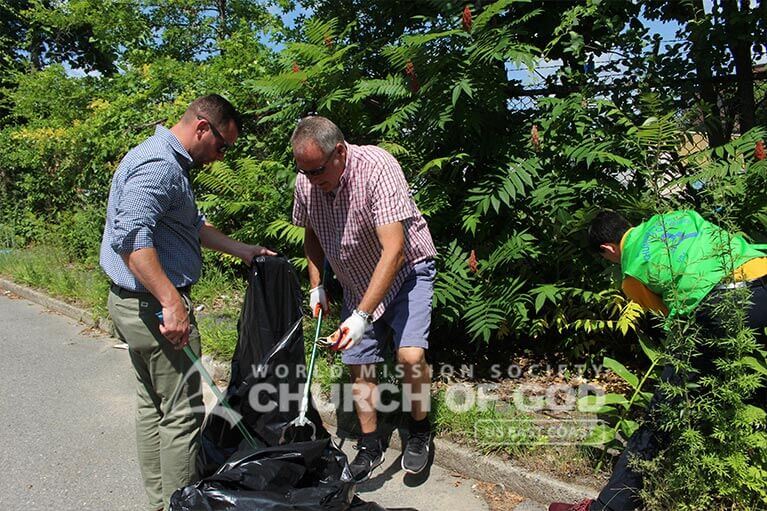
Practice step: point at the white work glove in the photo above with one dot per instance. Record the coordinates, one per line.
(350, 332)
(318, 300)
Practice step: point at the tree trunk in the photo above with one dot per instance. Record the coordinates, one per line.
(739, 39)
(222, 30)
(35, 49)
(701, 56)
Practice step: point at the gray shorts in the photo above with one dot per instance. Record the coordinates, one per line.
(405, 322)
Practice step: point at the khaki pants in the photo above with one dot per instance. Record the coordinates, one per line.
(170, 407)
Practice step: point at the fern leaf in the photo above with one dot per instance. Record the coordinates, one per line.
(286, 232)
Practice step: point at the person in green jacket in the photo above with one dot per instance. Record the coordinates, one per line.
(679, 265)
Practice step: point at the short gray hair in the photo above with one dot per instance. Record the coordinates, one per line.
(319, 130)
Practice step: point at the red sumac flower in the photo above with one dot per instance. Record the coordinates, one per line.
(759, 152)
(296, 69)
(415, 86)
(466, 19)
(473, 262)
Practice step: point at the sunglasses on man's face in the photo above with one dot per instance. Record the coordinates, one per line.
(224, 144)
(319, 170)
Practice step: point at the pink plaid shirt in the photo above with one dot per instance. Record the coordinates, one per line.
(372, 192)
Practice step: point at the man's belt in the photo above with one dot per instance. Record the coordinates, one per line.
(122, 292)
(761, 281)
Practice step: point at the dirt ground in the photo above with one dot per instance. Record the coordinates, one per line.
(497, 498)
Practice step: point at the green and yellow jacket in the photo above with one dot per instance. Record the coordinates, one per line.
(673, 260)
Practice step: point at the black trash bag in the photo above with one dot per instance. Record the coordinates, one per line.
(302, 476)
(270, 355)
(298, 475)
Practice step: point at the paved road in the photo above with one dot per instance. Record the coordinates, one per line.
(66, 435)
(66, 407)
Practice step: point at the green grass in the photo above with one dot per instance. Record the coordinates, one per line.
(221, 294)
(328, 368)
(221, 291)
(219, 336)
(8, 238)
(501, 429)
(494, 427)
(46, 268)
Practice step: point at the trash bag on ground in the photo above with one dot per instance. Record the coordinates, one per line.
(303, 476)
(300, 476)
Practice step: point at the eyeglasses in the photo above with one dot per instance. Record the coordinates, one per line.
(224, 144)
(319, 170)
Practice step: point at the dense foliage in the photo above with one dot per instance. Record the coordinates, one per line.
(503, 186)
(506, 179)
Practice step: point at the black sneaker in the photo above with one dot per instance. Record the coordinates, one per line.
(370, 455)
(415, 457)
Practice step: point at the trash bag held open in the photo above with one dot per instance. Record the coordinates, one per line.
(267, 470)
(268, 366)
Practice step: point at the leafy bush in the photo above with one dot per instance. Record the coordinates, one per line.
(244, 198)
(78, 233)
(714, 419)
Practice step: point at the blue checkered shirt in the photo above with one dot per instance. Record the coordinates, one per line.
(151, 204)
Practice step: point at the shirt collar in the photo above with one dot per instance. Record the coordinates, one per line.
(167, 136)
(623, 238)
(623, 241)
(347, 165)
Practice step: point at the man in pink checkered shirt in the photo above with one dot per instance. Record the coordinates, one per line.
(355, 205)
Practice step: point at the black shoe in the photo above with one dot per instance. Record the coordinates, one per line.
(415, 457)
(370, 455)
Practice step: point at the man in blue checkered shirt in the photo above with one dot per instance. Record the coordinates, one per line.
(151, 252)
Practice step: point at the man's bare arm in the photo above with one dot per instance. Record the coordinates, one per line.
(144, 264)
(392, 239)
(315, 257)
(212, 238)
